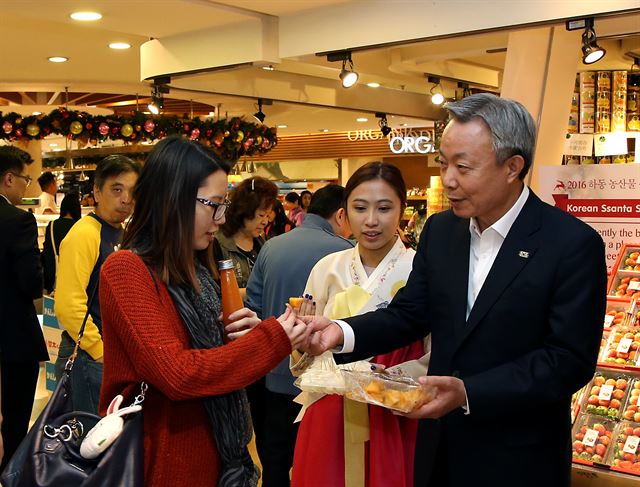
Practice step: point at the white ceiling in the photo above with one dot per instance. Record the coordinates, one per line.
(304, 87)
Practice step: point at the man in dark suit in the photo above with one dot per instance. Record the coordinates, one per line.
(512, 291)
(22, 345)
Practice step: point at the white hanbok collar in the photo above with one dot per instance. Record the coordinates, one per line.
(371, 282)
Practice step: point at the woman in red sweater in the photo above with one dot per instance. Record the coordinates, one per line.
(161, 325)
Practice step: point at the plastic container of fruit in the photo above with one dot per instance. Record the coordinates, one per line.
(617, 312)
(624, 455)
(591, 439)
(606, 394)
(390, 391)
(626, 284)
(630, 260)
(623, 346)
(631, 411)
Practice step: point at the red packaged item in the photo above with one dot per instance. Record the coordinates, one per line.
(592, 437)
(606, 394)
(625, 454)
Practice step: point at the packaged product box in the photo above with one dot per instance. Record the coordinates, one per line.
(587, 101)
(606, 394)
(626, 286)
(631, 412)
(633, 122)
(574, 113)
(625, 273)
(592, 439)
(571, 160)
(619, 102)
(625, 454)
(603, 121)
(620, 159)
(622, 346)
(603, 160)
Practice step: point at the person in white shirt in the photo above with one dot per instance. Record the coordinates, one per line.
(49, 186)
(513, 292)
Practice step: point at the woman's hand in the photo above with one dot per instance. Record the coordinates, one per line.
(296, 330)
(241, 322)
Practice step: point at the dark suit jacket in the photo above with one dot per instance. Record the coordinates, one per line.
(21, 337)
(531, 340)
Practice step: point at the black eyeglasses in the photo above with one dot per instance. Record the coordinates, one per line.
(219, 209)
(26, 178)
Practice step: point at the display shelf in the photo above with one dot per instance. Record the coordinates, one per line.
(600, 476)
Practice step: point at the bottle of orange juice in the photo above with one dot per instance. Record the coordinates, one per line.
(231, 299)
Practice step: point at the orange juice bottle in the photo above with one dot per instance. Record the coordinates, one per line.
(231, 299)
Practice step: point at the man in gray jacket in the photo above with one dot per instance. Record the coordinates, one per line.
(280, 272)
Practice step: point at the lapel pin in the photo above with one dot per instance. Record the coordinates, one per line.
(523, 254)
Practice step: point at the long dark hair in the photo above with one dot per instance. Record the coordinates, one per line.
(161, 227)
(71, 206)
(378, 170)
(279, 224)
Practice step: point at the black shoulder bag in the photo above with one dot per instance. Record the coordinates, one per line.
(49, 456)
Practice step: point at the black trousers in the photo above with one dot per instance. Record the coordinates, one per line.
(19, 380)
(255, 395)
(280, 434)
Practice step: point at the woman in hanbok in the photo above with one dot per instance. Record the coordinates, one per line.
(342, 442)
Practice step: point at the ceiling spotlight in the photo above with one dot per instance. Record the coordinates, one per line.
(158, 89)
(347, 75)
(591, 51)
(58, 59)
(373, 84)
(119, 45)
(466, 91)
(437, 98)
(86, 16)
(362, 119)
(268, 68)
(259, 115)
(384, 125)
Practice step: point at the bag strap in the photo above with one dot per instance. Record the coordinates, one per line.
(53, 242)
(72, 358)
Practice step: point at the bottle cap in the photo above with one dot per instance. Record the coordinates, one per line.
(225, 264)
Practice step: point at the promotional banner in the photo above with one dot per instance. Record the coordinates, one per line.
(52, 330)
(607, 197)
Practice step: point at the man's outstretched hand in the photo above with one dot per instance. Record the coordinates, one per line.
(325, 334)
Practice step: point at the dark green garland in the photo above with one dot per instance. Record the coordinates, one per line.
(230, 138)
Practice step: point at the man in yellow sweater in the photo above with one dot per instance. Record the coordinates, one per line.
(87, 245)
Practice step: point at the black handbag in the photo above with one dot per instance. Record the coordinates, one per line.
(49, 456)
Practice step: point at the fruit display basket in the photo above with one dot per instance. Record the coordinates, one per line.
(624, 455)
(606, 394)
(617, 313)
(592, 438)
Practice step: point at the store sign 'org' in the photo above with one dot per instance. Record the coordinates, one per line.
(400, 141)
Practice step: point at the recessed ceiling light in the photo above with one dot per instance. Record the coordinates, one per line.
(324, 130)
(362, 119)
(268, 68)
(36, 113)
(86, 16)
(58, 59)
(282, 126)
(373, 85)
(119, 45)
(404, 124)
(53, 144)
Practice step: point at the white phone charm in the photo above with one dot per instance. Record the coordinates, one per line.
(107, 430)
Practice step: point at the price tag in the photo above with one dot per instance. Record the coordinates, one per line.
(590, 438)
(605, 392)
(624, 345)
(631, 445)
(608, 320)
(634, 285)
(578, 144)
(610, 144)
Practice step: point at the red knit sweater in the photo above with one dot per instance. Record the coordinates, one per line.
(145, 340)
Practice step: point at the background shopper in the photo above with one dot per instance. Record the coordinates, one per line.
(22, 345)
(70, 213)
(161, 309)
(279, 223)
(82, 252)
(292, 205)
(49, 186)
(305, 200)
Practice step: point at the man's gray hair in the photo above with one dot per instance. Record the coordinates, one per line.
(513, 131)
